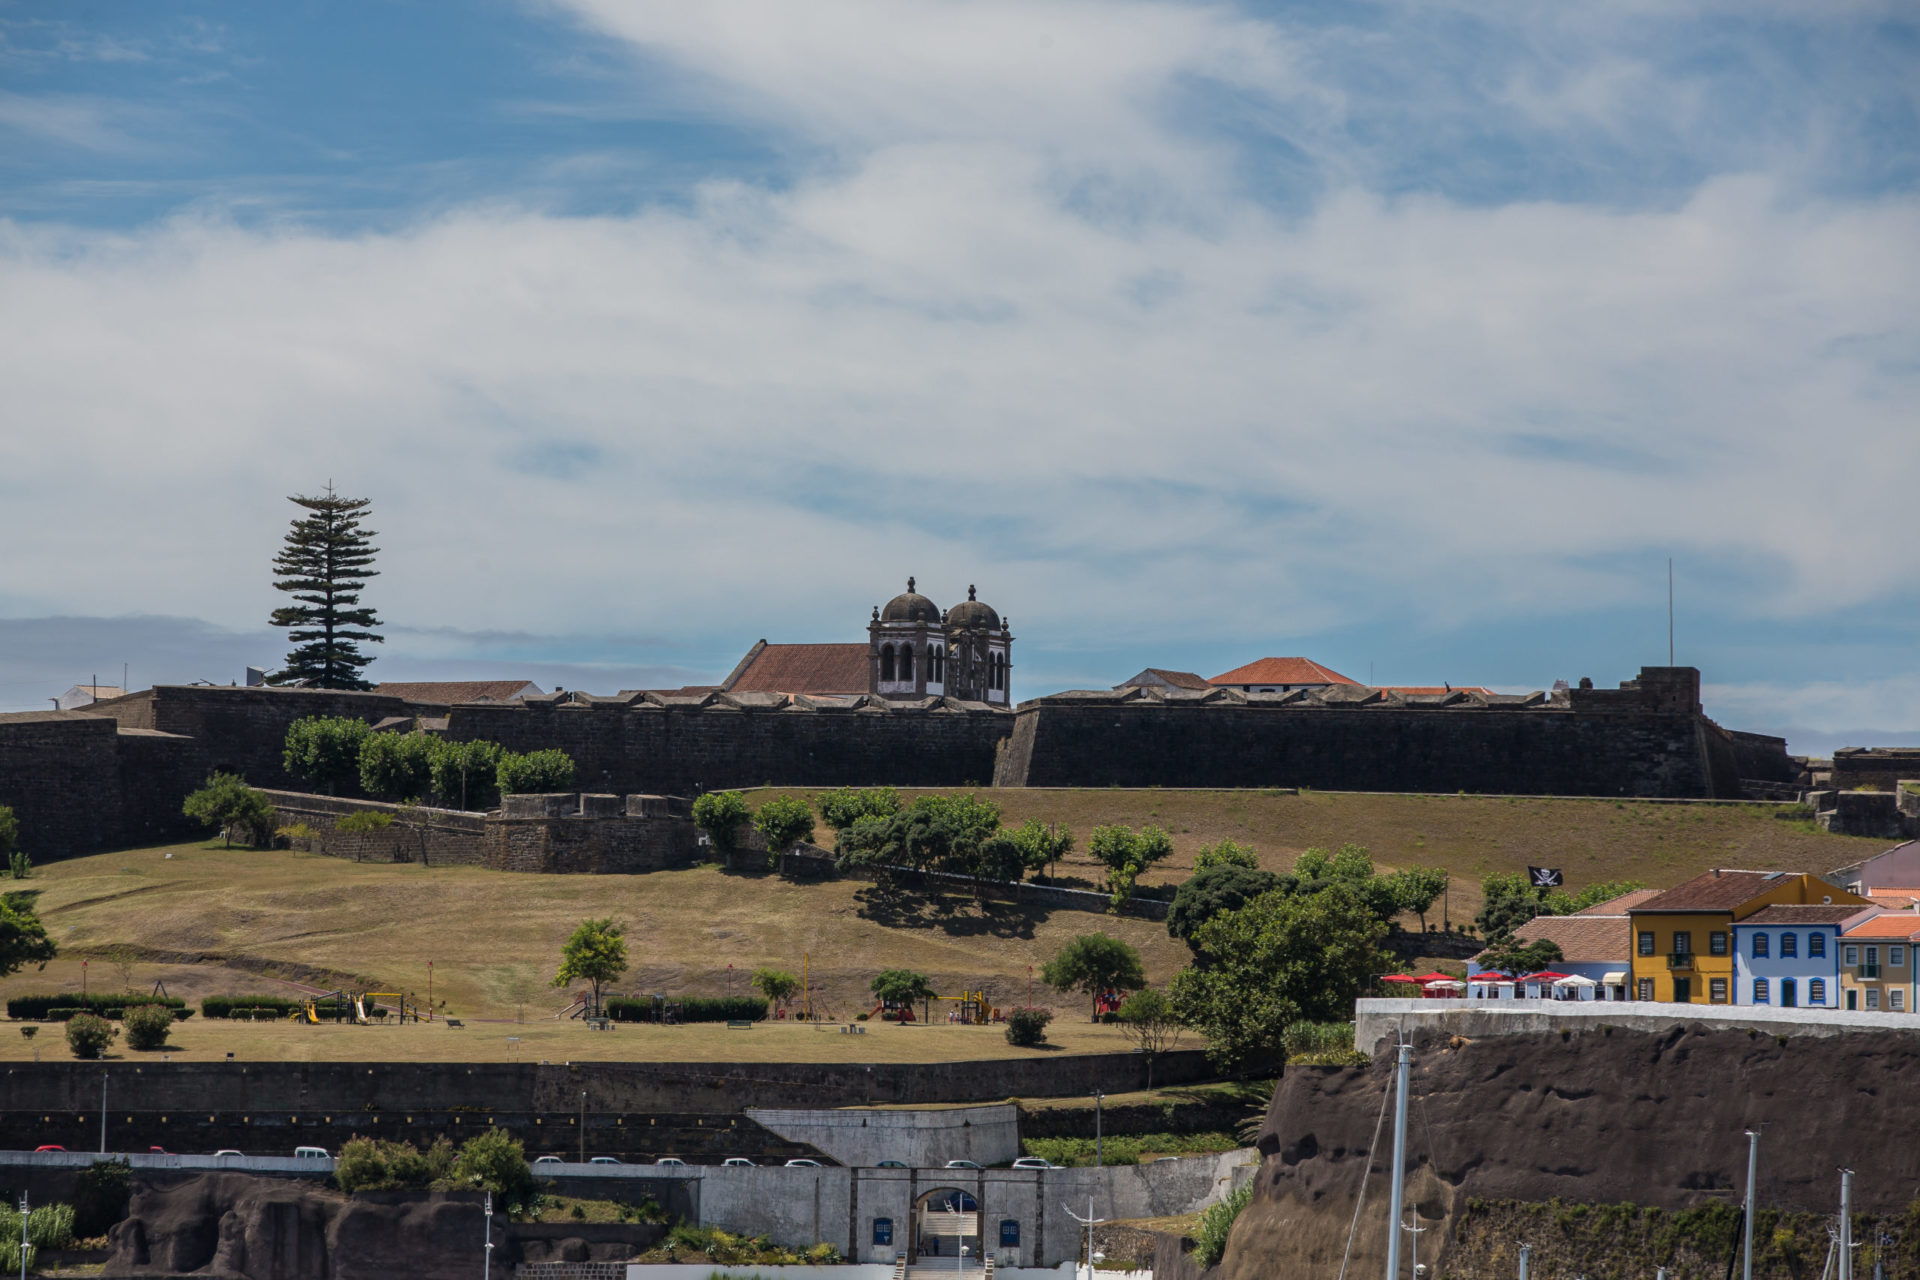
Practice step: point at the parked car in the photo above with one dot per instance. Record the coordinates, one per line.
(804, 1163)
(962, 1164)
(548, 1160)
(50, 1148)
(604, 1160)
(1031, 1162)
(891, 1164)
(1166, 1160)
(739, 1162)
(311, 1153)
(226, 1151)
(158, 1151)
(670, 1162)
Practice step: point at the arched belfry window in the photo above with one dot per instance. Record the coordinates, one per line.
(939, 666)
(906, 662)
(886, 662)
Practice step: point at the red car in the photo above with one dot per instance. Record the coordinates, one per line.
(49, 1148)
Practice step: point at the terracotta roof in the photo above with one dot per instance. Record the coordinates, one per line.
(1178, 679)
(1582, 939)
(449, 692)
(1895, 924)
(1282, 671)
(1714, 891)
(1806, 913)
(1621, 905)
(803, 668)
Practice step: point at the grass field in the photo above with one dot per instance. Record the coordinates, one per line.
(206, 920)
(1591, 840)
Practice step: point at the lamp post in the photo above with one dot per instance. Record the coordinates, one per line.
(1753, 1161)
(486, 1269)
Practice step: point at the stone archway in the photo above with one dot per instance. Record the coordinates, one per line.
(944, 1219)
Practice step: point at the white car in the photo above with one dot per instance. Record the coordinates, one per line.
(227, 1152)
(669, 1162)
(311, 1153)
(604, 1160)
(962, 1164)
(548, 1160)
(739, 1162)
(1033, 1162)
(805, 1164)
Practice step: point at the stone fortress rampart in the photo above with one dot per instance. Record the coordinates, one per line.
(115, 774)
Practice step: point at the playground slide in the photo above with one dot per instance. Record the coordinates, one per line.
(359, 1011)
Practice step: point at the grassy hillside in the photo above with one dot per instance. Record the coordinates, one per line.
(1660, 844)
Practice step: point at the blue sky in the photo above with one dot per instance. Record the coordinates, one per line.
(1411, 337)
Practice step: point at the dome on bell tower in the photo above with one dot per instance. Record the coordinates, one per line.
(910, 606)
(973, 613)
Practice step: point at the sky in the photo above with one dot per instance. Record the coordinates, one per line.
(1416, 338)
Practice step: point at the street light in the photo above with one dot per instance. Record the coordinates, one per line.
(487, 1268)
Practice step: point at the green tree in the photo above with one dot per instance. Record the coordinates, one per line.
(228, 803)
(596, 954)
(1224, 886)
(466, 775)
(783, 822)
(88, 1035)
(534, 772)
(776, 985)
(324, 561)
(1279, 959)
(147, 1026)
(9, 831)
(1093, 963)
(373, 1164)
(1225, 854)
(1041, 844)
(397, 766)
(1516, 959)
(1126, 854)
(23, 939)
(496, 1161)
(902, 987)
(325, 751)
(1559, 902)
(842, 808)
(959, 835)
(1152, 1023)
(1507, 902)
(1416, 889)
(721, 814)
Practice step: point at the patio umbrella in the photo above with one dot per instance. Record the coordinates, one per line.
(1436, 976)
(1399, 977)
(1545, 975)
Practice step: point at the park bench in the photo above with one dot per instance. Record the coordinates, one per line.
(455, 1022)
(600, 1024)
(739, 1024)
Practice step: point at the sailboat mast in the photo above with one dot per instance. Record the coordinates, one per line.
(1397, 1190)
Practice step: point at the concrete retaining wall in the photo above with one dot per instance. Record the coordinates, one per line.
(924, 1139)
(1376, 1021)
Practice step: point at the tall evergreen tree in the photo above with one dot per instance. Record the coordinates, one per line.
(325, 560)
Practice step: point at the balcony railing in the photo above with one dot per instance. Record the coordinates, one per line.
(1866, 972)
(1680, 960)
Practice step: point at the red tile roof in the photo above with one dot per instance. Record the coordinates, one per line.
(449, 692)
(1716, 891)
(1177, 679)
(1792, 913)
(1582, 939)
(803, 668)
(1895, 924)
(1292, 671)
(1621, 905)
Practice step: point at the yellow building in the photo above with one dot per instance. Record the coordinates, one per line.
(1683, 938)
(1877, 960)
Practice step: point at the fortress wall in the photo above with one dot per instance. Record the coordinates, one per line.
(684, 750)
(60, 772)
(1368, 748)
(245, 729)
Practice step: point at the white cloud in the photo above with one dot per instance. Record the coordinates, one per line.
(1021, 329)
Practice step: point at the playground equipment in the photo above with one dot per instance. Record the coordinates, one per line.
(973, 1007)
(1108, 1002)
(357, 1007)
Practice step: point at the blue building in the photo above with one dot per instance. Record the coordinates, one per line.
(1788, 955)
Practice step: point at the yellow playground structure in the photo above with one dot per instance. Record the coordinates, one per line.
(362, 1008)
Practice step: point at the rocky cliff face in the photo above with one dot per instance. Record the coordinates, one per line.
(1597, 1116)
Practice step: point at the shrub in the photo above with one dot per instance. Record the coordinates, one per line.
(19, 865)
(370, 1164)
(298, 835)
(88, 1036)
(1210, 1233)
(325, 750)
(9, 829)
(689, 1009)
(534, 772)
(363, 820)
(43, 1007)
(466, 775)
(784, 821)
(50, 1226)
(1225, 854)
(230, 805)
(1027, 1027)
(147, 1026)
(496, 1161)
(244, 1005)
(721, 814)
(397, 766)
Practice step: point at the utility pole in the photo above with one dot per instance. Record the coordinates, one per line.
(1396, 1190)
(1846, 1224)
(1527, 1249)
(487, 1269)
(1413, 1230)
(1753, 1163)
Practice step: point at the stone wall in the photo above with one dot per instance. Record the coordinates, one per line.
(1881, 768)
(79, 783)
(1647, 738)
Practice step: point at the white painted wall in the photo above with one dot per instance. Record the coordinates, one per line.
(920, 1138)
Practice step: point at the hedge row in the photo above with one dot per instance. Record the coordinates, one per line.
(223, 1006)
(36, 1008)
(65, 1014)
(690, 1009)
